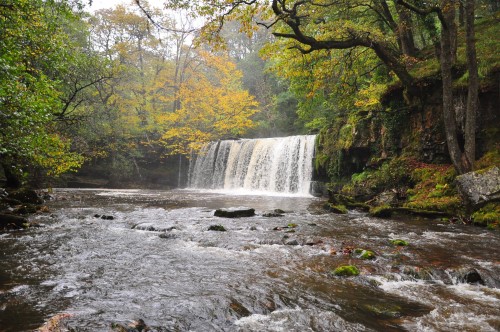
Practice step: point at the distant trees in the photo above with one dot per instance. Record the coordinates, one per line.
(394, 32)
(166, 94)
(75, 86)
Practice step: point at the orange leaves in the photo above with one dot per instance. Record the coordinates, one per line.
(213, 106)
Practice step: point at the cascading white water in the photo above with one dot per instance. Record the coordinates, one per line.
(282, 165)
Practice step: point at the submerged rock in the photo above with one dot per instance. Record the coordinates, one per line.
(346, 271)
(236, 213)
(385, 310)
(272, 214)
(218, 228)
(167, 236)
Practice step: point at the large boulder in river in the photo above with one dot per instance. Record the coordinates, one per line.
(10, 221)
(480, 187)
(234, 213)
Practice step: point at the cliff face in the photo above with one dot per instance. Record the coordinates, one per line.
(409, 127)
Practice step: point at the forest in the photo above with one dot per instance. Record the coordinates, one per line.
(249, 165)
(124, 96)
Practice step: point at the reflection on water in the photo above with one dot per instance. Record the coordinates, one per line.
(156, 260)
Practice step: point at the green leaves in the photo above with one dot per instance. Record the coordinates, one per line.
(33, 44)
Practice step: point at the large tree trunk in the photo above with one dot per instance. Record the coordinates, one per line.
(446, 60)
(405, 32)
(13, 181)
(473, 88)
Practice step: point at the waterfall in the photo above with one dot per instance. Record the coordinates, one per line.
(281, 165)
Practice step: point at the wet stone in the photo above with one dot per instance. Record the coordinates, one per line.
(234, 213)
(272, 215)
(471, 276)
(10, 221)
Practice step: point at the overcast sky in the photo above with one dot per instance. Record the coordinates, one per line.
(100, 4)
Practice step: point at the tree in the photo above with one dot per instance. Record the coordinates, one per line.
(462, 157)
(33, 43)
(277, 114)
(213, 106)
(384, 28)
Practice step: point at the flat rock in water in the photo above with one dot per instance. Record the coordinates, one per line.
(234, 213)
(480, 187)
(7, 220)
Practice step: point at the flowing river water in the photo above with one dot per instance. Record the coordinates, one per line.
(157, 261)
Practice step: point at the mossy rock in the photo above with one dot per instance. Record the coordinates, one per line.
(489, 215)
(399, 242)
(218, 228)
(338, 209)
(346, 271)
(365, 254)
(383, 211)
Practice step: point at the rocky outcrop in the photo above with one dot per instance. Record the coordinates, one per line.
(26, 196)
(479, 188)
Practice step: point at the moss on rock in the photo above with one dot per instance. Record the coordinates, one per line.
(489, 215)
(339, 209)
(383, 211)
(218, 228)
(399, 242)
(346, 271)
(365, 254)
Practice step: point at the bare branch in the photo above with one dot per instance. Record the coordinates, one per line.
(158, 25)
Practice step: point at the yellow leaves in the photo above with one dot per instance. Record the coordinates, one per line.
(370, 96)
(55, 156)
(213, 106)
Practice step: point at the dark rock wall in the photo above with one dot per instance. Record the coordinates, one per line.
(410, 126)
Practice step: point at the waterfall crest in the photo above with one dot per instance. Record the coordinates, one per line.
(281, 165)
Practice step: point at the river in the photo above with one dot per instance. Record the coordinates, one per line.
(156, 260)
